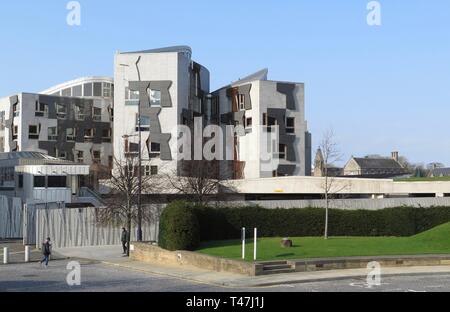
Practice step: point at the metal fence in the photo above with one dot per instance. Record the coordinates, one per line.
(11, 216)
(78, 227)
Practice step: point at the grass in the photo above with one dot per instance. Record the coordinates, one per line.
(434, 241)
(436, 179)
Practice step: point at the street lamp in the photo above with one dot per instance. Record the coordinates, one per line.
(139, 216)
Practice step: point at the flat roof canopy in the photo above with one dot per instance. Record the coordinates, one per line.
(54, 170)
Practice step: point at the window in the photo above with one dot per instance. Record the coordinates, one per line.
(240, 100)
(57, 181)
(131, 97)
(62, 155)
(41, 109)
(155, 98)
(77, 91)
(70, 134)
(15, 132)
(145, 123)
(39, 181)
(80, 156)
(155, 148)
(106, 135)
(97, 114)
(269, 122)
(290, 125)
(67, 92)
(96, 156)
(282, 151)
(98, 89)
(20, 177)
(248, 122)
(107, 89)
(52, 134)
(79, 112)
(89, 134)
(16, 110)
(87, 89)
(61, 111)
(215, 106)
(151, 170)
(33, 133)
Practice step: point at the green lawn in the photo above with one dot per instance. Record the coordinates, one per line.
(435, 241)
(437, 179)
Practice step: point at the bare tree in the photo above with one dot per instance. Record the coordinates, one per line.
(122, 206)
(201, 180)
(330, 154)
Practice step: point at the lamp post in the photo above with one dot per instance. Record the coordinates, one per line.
(139, 212)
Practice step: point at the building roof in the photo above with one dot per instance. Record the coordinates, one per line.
(378, 163)
(177, 49)
(34, 158)
(259, 75)
(75, 82)
(440, 172)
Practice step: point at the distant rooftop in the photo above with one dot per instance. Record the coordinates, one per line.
(378, 163)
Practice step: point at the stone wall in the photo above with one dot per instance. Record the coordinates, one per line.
(146, 252)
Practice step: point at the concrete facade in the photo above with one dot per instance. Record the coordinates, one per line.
(139, 78)
(71, 121)
(261, 106)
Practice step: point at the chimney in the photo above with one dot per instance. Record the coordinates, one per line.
(395, 156)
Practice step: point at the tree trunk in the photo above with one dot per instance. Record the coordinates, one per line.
(129, 234)
(326, 216)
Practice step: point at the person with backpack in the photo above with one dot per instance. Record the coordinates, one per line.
(46, 251)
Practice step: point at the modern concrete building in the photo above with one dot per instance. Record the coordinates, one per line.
(262, 106)
(72, 121)
(171, 89)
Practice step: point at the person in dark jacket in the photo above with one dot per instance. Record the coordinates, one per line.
(46, 251)
(124, 240)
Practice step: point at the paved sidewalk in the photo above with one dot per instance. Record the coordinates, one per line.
(236, 280)
(111, 255)
(17, 252)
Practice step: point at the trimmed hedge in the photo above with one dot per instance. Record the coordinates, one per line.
(179, 227)
(226, 223)
(206, 223)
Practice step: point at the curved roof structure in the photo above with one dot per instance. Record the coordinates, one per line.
(76, 82)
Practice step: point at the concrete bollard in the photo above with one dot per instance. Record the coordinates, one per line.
(27, 253)
(5, 255)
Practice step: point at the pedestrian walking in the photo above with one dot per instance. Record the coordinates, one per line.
(124, 240)
(46, 251)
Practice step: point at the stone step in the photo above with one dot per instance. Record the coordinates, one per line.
(273, 263)
(276, 267)
(278, 271)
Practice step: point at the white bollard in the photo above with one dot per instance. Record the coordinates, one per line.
(254, 247)
(243, 243)
(5, 255)
(27, 253)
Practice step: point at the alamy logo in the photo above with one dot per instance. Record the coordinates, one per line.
(74, 15)
(74, 276)
(374, 275)
(374, 15)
